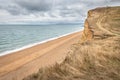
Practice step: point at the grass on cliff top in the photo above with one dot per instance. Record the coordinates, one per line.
(98, 59)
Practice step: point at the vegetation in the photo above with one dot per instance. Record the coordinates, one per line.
(98, 59)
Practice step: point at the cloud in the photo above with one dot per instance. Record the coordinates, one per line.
(16, 7)
(36, 5)
(49, 10)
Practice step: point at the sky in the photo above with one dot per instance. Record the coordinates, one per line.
(48, 11)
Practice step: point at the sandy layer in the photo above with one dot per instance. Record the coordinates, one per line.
(20, 64)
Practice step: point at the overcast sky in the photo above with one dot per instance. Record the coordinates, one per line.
(36, 11)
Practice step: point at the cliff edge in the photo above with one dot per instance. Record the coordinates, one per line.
(102, 22)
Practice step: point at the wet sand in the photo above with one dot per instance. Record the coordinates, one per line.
(17, 65)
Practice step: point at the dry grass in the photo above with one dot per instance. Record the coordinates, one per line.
(98, 59)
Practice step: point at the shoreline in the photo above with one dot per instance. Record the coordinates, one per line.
(25, 62)
(35, 44)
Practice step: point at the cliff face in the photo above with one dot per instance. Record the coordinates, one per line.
(101, 22)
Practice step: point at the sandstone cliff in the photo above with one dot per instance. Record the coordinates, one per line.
(102, 22)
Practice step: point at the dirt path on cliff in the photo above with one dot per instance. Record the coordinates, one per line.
(99, 22)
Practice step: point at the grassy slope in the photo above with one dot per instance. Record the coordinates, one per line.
(98, 59)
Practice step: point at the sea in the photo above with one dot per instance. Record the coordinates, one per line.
(17, 37)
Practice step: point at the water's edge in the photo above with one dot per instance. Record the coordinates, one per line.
(34, 44)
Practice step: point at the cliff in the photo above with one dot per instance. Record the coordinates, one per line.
(101, 22)
(96, 56)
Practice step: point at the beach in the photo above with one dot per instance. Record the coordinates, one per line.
(17, 65)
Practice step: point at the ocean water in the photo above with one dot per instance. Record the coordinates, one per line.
(17, 37)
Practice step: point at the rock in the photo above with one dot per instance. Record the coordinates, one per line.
(87, 33)
(101, 21)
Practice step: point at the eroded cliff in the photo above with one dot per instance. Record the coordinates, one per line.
(101, 22)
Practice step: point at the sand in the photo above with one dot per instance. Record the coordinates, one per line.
(17, 65)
